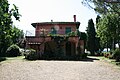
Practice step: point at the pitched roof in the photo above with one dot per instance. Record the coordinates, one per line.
(55, 23)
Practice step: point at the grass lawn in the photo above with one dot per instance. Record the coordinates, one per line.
(102, 58)
(15, 58)
(112, 61)
(11, 58)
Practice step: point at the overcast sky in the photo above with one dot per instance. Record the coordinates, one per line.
(56, 10)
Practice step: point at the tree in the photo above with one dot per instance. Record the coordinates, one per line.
(91, 37)
(98, 47)
(83, 36)
(102, 7)
(97, 20)
(6, 24)
(109, 30)
(16, 35)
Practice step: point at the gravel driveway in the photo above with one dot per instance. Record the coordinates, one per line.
(58, 70)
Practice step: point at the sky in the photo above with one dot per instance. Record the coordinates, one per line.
(46, 10)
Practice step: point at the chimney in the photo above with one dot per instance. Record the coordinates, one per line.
(74, 16)
(51, 20)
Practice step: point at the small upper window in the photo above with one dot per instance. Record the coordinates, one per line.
(60, 27)
(53, 30)
(68, 30)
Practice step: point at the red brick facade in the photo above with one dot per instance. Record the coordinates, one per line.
(43, 36)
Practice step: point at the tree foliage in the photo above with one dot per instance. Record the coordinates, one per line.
(16, 34)
(83, 36)
(91, 37)
(102, 7)
(109, 29)
(6, 24)
(108, 25)
(97, 20)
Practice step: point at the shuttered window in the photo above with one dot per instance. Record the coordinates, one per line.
(53, 31)
(67, 30)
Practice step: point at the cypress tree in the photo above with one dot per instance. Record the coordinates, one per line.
(91, 39)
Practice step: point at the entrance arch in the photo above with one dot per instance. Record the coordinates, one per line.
(70, 48)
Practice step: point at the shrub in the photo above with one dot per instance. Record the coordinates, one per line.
(116, 55)
(107, 54)
(13, 51)
(31, 55)
(110, 56)
(22, 51)
(84, 55)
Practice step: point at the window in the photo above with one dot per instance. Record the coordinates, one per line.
(53, 31)
(60, 27)
(67, 30)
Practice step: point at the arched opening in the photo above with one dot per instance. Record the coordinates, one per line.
(70, 48)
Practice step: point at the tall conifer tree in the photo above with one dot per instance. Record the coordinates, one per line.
(91, 37)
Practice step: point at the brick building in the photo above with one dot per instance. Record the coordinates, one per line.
(60, 37)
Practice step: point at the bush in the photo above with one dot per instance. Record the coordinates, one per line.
(22, 51)
(116, 55)
(107, 54)
(13, 51)
(84, 56)
(31, 55)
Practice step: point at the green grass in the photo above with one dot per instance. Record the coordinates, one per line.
(15, 58)
(112, 61)
(7, 59)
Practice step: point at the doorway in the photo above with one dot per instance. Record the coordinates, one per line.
(68, 48)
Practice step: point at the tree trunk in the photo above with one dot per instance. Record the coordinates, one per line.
(107, 47)
(113, 44)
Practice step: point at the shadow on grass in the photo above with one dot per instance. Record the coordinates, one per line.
(2, 59)
(87, 59)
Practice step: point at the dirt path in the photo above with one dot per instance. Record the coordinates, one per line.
(58, 70)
